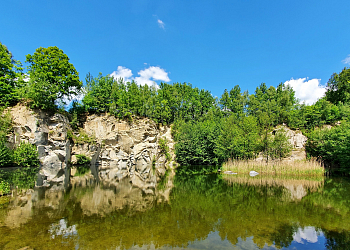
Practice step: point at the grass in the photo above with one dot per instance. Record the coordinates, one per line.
(293, 168)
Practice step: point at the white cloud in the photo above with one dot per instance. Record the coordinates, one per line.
(122, 72)
(151, 74)
(347, 60)
(308, 91)
(146, 76)
(161, 24)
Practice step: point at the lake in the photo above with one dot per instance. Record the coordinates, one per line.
(188, 211)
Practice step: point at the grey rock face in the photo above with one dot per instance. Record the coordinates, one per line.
(120, 149)
(49, 134)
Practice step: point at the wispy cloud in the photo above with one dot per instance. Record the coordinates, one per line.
(308, 91)
(347, 60)
(161, 24)
(147, 76)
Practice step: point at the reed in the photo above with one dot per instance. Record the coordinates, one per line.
(294, 168)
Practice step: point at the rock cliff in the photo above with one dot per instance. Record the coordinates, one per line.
(117, 149)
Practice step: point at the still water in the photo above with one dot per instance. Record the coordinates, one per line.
(189, 212)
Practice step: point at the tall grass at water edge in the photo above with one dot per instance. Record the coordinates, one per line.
(296, 168)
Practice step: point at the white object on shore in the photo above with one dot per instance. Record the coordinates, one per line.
(253, 173)
(229, 172)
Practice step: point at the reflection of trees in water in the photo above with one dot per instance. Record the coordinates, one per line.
(337, 240)
(283, 235)
(199, 205)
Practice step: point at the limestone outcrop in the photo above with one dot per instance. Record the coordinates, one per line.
(296, 139)
(49, 133)
(117, 149)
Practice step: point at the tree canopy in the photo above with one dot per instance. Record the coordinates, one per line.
(52, 77)
(8, 75)
(338, 87)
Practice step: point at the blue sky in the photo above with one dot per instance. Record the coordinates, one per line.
(214, 45)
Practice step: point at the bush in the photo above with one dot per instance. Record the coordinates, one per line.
(164, 148)
(82, 159)
(26, 155)
(82, 138)
(331, 146)
(5, 156)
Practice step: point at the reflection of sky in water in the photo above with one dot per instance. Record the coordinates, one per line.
(308, 238)
(61, 228)
(308, 234)
(304, 239)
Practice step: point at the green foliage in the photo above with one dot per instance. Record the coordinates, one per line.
(26, 156)
(338, 87)
(98, 93)
(164, 148)
(239, 138)
(276, 146)
(82, 159)
(83, 164)
(331, 146)
(165, 105)
(9, 71)
(271, 106)
(81, 138)
(76, 113)
(195, 142)
(52, 77)
(322, 112)
(5, 156)
(5, 127)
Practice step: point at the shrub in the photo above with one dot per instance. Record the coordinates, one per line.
(82, 138)
(26, 155)
(164, 148)
(82, 159)
(5, 156)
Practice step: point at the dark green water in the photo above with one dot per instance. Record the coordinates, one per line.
(198, 212)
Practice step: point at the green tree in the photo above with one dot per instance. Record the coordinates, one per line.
(9, 72)
(98, 97)
(279, 147)
(52, 77)
(338, 87)
(331, 146)
(238, 138)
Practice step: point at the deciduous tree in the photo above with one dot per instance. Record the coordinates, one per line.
(52, 77)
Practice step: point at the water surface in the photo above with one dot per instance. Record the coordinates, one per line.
(198, 212)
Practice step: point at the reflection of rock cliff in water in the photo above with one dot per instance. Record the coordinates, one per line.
(92, 199)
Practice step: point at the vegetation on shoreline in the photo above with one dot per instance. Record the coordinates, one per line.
(207, 130)
(290, 168)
